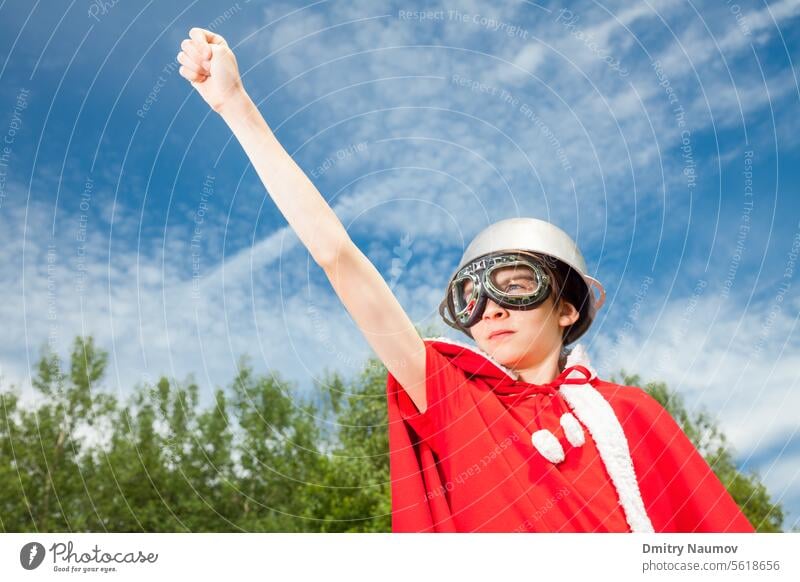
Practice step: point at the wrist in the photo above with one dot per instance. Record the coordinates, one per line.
(235, 104)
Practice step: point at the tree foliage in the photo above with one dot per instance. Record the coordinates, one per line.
(258, 457)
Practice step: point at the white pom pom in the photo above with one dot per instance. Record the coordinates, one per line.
(572, 429)
(548, 446)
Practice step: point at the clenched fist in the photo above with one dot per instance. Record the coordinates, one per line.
(209, 64)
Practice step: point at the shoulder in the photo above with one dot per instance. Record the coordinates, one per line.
(628, 399)
(469, 359)
(647, 425)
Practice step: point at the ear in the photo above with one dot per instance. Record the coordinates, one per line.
(567, 314)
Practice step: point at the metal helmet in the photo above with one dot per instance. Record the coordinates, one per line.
(532, 235)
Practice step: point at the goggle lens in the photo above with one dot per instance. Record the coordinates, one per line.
(515, 281)
(465, 296)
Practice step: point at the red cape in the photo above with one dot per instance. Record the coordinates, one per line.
(662, 481)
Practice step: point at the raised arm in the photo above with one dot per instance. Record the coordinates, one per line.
(210, 65)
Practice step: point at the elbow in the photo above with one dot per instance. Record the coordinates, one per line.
(329, 254)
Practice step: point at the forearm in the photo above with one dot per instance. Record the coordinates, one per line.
(304, 208)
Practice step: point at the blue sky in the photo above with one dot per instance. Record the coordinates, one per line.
(663, 136)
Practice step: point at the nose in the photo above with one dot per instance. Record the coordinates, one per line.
(493, 310)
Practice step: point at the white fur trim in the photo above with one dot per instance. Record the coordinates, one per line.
(604, 426)
(572, 429)
(547, 444)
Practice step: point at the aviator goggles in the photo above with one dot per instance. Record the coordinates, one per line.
(512, 280)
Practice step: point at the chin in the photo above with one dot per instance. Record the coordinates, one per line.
(518, 351)
(506, 353)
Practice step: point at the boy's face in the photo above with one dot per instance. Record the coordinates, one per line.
(535, 333)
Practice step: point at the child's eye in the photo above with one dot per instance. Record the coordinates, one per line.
(520, 287)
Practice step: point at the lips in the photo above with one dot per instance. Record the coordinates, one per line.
(500, 333)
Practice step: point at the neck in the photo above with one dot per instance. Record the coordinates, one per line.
(543, 372)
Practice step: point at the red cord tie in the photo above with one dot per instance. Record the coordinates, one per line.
(513, 391)
(570, 377)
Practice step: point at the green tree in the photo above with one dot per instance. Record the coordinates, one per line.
(45, 488)
(357, 497)
(279, 448)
